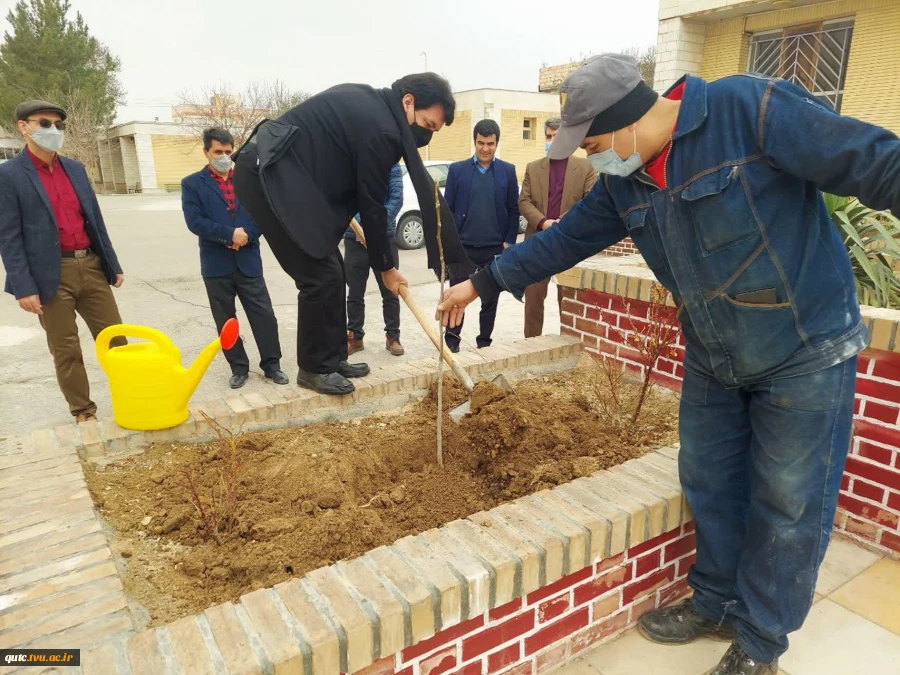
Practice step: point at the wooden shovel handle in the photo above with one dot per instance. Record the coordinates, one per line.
(358, 231)
(423, 320)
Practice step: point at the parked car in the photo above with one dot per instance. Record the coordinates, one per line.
(410, 232)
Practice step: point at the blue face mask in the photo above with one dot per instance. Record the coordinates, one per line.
(547, 146)
(610, 163)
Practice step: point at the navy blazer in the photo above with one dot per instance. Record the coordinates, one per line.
(506, 192)
(29, 233)
(206, 214)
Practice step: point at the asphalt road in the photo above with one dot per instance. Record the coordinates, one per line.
(163, 289)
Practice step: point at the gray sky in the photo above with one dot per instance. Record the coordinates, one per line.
(167, 46)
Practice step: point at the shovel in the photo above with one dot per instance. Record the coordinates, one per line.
(460, 411)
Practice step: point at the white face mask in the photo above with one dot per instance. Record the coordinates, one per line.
(50, 139)
(222, 163)
(609, 162)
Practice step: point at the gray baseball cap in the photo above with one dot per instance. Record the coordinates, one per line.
(605, 94)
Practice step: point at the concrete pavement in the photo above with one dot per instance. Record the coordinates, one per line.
(163, 289)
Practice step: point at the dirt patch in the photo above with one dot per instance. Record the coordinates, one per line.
(310, 496)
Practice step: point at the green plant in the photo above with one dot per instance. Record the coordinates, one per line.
(873, 241)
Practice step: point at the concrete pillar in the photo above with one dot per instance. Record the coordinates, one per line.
(146, 164)
(679, 50)
(129, 163)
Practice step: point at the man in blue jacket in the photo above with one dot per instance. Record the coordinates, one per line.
(58, 257)
(356, 269)
(718, 186)
(230, 261)
(483, 194)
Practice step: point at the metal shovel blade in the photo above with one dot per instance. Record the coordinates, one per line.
(465, 408)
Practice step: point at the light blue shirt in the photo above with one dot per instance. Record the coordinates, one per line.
(482, 168)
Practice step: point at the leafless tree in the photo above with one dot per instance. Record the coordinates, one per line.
(239, 112)
(646, 60)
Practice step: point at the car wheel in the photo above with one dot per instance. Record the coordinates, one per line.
(523, 224)
(411, 232)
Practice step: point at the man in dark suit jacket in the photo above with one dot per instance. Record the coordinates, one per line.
(551, 187)
(304, 176)
(55, 248)
(230, 261)
(483, 193)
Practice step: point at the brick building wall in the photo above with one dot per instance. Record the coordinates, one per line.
(601, 308)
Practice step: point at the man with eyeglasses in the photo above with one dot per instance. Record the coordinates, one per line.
(57, 254)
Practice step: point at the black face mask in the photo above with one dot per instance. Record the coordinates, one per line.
(421, 134)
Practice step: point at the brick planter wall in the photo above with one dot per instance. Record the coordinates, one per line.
(869, 506)
(624, 247)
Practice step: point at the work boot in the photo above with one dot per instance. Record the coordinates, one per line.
(353, 369)
(680, 624)
(736, 662)
(354, 345)
(332, 384)
(238, 380)
(393, 346)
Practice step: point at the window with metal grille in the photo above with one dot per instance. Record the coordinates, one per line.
(813, 56)
(529, 124)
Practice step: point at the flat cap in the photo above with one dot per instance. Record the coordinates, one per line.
(29, 108)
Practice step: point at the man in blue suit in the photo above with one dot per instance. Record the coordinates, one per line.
(230, 261)
(55, 248)
(483, 193)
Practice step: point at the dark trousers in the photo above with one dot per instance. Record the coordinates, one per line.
(480, 257)
(356, 265)
(761, 467)
(321, 308)
(255, 300)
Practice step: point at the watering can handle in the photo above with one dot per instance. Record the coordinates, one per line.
(127, 330)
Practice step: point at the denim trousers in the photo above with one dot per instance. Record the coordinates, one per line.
(761, 468)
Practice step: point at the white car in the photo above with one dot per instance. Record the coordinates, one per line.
(410, 233)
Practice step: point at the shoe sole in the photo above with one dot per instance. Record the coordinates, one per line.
(350, 377)
(305, 385)
(715, 636)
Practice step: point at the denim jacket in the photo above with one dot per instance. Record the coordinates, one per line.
(740, 236)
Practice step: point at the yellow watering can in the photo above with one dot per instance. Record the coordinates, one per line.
(149, 386)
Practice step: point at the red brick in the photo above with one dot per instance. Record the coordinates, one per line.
(862, 529)
(881, 412)
(877, 433)
(591, 342)
(862, 365)
(442, 662)
(638, 610)
(679, 372)
(884, 391)
(597, 587)
(599, 631)
(609, 563)
(559, 586)
(845, 483)
(638, 589)
(593, 313)
(595, 298)
(442, 638)
(551, 658)
(887, 366)
(647, 563)
(630, 354)
(680, 589)
(549, 610)
(505, 610)
(526, 668)
(591, 327)
(505, 657)
(572, 307)
(667, 381)
(685, 564)
(556, 631)
(406, 671)
(568, 292)
(890, 540)
(567, 320)
(383, 666)
(680, 547)
(664, 538)
(571, 332)
(894, 500)
(857, 406)
(492, 638)
(863, 489)
(470, 669)
(874, 473)
(665, 366)
(875, 453)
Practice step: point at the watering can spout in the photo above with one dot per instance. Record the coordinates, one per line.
(226, 340)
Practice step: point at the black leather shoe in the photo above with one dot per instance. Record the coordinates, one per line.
(736, 662)
(278, 377)
(238, 380)
(680, 624)
(453, 348)
(333, 384)
(353, 369)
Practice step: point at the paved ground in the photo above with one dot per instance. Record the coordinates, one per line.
(853, 629)
(163, 289)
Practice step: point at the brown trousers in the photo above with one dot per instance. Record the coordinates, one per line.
(83, 288)
(535, 294)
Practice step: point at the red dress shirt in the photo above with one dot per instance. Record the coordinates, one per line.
(66, 206)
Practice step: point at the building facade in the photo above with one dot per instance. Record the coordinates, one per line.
(844, 51)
